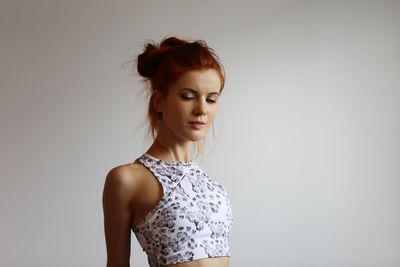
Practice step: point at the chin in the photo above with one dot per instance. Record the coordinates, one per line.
(196, 136)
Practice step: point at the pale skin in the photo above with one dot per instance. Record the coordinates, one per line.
(131, 191)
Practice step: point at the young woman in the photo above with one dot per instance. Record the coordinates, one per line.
(180, 216)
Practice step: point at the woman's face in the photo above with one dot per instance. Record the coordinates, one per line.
(192, 98)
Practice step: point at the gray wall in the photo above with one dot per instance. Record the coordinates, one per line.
(307, 132)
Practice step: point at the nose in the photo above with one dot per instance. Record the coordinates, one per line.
(200, 108)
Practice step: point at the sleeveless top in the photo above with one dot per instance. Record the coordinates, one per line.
(192, 220)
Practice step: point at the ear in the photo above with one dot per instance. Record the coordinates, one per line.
(157, 100)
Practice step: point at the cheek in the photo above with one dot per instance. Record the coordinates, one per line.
(176, 111)
(213, 111)
(182, 109)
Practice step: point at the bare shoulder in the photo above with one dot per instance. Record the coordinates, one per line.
(125, 181)
(131, 173)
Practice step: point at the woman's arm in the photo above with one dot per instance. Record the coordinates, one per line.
(120, 191)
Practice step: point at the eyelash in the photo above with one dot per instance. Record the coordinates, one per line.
(190, 98)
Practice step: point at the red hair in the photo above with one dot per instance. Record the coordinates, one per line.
(161, 64)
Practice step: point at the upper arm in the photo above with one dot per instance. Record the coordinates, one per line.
(120, 191)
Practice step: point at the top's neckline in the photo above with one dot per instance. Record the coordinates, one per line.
(188, 163)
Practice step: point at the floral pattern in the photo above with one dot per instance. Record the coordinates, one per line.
(193, 219)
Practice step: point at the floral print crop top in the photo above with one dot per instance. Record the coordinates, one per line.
(193, 219)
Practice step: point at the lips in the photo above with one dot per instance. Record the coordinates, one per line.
(197, 122)
(196, 125)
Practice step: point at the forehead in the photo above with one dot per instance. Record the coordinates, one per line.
(199, 80)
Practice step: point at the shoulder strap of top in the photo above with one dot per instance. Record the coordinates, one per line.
(169, 174)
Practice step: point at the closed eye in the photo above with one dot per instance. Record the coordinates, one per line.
(213, 101)
(187, 98)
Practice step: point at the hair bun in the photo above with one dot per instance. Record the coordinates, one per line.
(145, 62)
(149, 60)
(172, 42)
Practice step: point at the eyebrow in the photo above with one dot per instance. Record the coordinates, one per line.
(195, 92)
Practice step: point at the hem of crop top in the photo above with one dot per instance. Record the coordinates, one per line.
(192, 260)
(201, 256)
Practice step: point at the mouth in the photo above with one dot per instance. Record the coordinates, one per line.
(196, 124)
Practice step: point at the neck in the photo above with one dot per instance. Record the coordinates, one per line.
(170, 151)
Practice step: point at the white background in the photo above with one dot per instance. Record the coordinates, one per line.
(307, 130)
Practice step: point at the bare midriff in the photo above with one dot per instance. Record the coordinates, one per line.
(208, 262)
